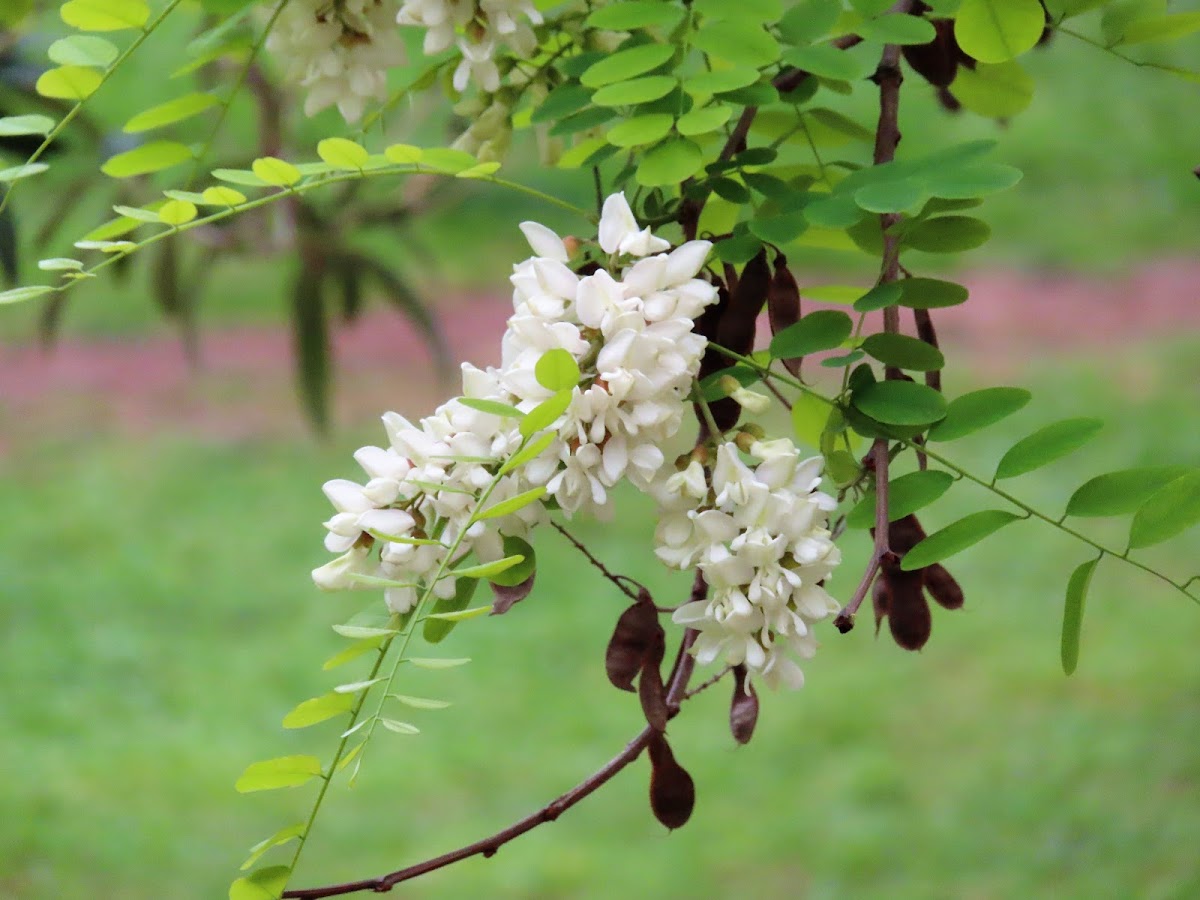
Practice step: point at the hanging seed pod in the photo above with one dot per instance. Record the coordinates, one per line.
(672, 791)
(726, 410)
(636, 634)
(651, 691)
(783, 306)
(736, 329)
(743, 709)
(942, 587)
(938, 61)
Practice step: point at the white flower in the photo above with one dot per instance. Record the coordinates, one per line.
(619, 230)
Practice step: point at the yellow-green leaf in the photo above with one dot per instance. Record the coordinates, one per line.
(275, 172)
(282, 836)
(83, 50)
(177, 212)
(281, 772)
(105, 15)
(343, 154)
(171, 112)
(152, 157)
(318, 709)
(223, 196)
(265, 884)
(69, 83)
(995, 31)
(1072, 625)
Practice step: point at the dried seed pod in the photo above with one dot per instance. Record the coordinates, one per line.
(783, 305)
(937, 62)
(672, 791)
(736, 328)
(651, 691)
(633, 639)
(908, 611)
(743, 709)
(942, 586)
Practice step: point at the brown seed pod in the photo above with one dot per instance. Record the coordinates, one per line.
(783, 306)
(743, 709)
(672, 791)
(942, 587)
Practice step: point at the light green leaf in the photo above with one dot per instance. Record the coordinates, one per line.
(177, 212)
(670, 163)
(491, 407)
(265, 884)
(967, 182)
(282, 836)
(60, 264)
(104, 15)
(995, 31)
(703, 119)
(640, 130)
(632, 14)
(354, 651)
(171, 112)
(152, 157)
(281, 772)
(16, 173)
(557, 370)
(420, 702)
(360, 632)
(1167, 512)
(958, 536)
(479, 170)
(626, 64)
(239, 176)
(719, 81)
(148, 216)
(223, 196)
(402, 154)
(737, 41)
(357, 687)
(900, 403)
(892, 196)
(808, 20)
(83, 50)
(545, 413)
(399, 727)
(437, 662)
(460, 615)
(906, 495)
(1161, 28)
(69, 83)
(449, 160)
(747, 10)
(530, 451)
(947, 234)
(343, 154)
(820, 330)
(275, 172)
(32, 124)
(21, 294)
(930, 293)
(999, 91)
(1118, 493)
(1046, 445)
(1077, 589)
(897, 29)
(977, 410)
(824, 61)
(904, 352)
(318, 709)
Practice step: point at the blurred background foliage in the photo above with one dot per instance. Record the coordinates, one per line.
(158, 619)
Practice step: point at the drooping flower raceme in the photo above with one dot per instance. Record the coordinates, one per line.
(628, 328)
(340, 50)
(758, 534)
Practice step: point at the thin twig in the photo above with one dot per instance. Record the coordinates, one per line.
(881, 550)
(707, 684)
(618, 580)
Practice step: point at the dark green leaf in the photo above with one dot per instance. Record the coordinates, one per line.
(930, 293)
(904, 352)
(1118, 493)
(879, 297)
(1167, 512)
(906, 495)
(1077, 589)
(956, 537)
(900, 403)
(820, 330)
(978, 409)
(561, 102)
(1046, 445)
(947, 234)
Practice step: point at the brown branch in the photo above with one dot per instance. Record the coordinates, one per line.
(681, 673)
(618, 580)
(878, 456)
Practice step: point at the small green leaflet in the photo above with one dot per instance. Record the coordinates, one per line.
(545, 413)
(152, 157)
(356, 687)
(625, 64)
(363, 631)
(16, 173)
(439, 624)
(170, 112)
(318, 709)
(1167, 512)
(281, 772)
(343, 154)
(437, 663)
(956, 537)
(824, 329)
(557, 370)
(511, 505)
(906, 495)
(995, 31)
(419, 702)
(1077, 589)
(105, 15)
(462, 615)
(977, 410)
(265, 884)
(282, 836)
(69, 83)
(1046, 445)
(904, 352)
(528, 452)
(494, 407)
(1118, 493)
(900, 403)
(275, 172)
(484, 570)
(398, 727)
(354, 651)
(11, 126)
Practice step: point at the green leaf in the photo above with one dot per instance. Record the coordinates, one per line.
(808, 20)
(265, 884)
(640, 130)
(737, 41)
(879, 297)
(977, 410)
(60, 264)
(897, 29)
(357, 687)
(518, 574)
(906, 495)
(930, 293)
(437, 662)
(561, 102)
(21, 294)
(152, 157)
(1118, 493)
(947, 234)
(995, 31)
(282, 836)
(171, 112)
(820, 330)
(824, 61)
(223, 196)
(239, 176)
(1161, 28)
(1167, 512)
(719, 81)
(83, 50)
(275, 172)
(420, 702)
(749, 10)
(436, 629)
(703, 119)
(781, 229)
(318, 709)
(399, 727)
(900, 403)
(1046, 445)
(638, 90)
(904, 352)
(626, 64)
(281, 772)
(511, 505)
(969, 182)
(104, 15)
(11, 126)
(488, 569)
(958, 536)
(403, 154)
(359, 632)
(670, 163)
(177, 212)
(1077, 589)
(998, 91)
(16, 173)
(69, 83)
(343, 154)
(492, 407)
(633, 14)
(545, 413)
(530, 451)
(892, 196)
(460, 615)
(353, 652)
(557, 370)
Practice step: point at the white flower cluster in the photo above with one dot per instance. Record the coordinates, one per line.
(340, 50)
(632, 339)
(759, 536)
(478, 27)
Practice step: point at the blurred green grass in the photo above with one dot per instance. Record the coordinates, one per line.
(160, 621)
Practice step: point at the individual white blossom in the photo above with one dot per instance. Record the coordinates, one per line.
(758, 534)
(478, 28)
(340, 50)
